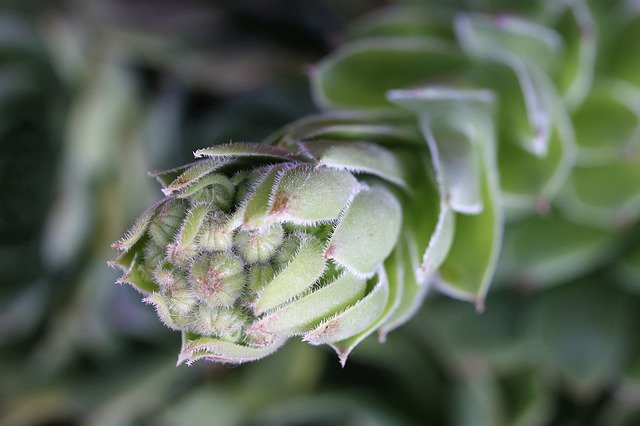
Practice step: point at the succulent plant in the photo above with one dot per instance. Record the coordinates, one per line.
(437, 128)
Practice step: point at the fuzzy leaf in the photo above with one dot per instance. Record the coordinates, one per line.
(256, 207)
(367, 232)
(354, 319)
(308, 195)
(195, 348)
(305, 312)
(359, 157)
(245, 149)
(301, 273)
(193, 174)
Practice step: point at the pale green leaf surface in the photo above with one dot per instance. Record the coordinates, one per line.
(606, 195)
(468, 269)
(191, 175)
(301, 273)
(305, 312)
(360, 74)
(195, 348)
(256, 207)
(308, 195)
(410, 292)
(245, 149)
(541, 251)
(353, 320)
(367, 232)
(360, 157)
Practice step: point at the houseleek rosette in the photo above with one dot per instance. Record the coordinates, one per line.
(436, 127)
(330, 230)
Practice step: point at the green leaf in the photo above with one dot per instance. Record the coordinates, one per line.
(623, 57)
(307, 311)
(196, 171)
(359, 157)
(355, 322)
(526, 48)
(307, 195)
(256, 207)
(451, 121)
(367, 232)
(195, 348)
(606, 122)
(162, 310)
(137, 230)
(360, 74)
(541, 251)
(245, 149)
(139, 278)
(404, 21)
(468, 269)
(504, 36)
(607, 195)
(411, 293)
(302, 272)
(578, 29)
(584, 331)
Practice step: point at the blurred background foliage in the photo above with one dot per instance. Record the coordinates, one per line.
(95, 93)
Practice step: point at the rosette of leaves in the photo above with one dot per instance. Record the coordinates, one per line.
(437, 125)
(331, 229)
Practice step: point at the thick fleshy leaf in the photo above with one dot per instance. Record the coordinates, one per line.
(162, 309)
(353, 320)
(583, 331)
(344, 347)
(256, 207)
(360, 157)
(193, 174)
(379, 133)
(165, 177)
(524, 47)
(401, 20)
(245, 149)
(606, 195)
(468, 269)
(195, 348)
(226, 189)
(503, 36)
(367, 232)
(578, 29)
(302, 272)
(307, 195)
(532, 182)
(360, 74)
(137, 230)
(607, 126)
(402, 268)
(541, 251)
(306, 312)
(138, 277)
(451, 120)
(192, 225)
(381, 126)
(623, 57)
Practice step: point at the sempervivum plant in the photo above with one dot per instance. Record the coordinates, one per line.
(330, 231)
(437, 126)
